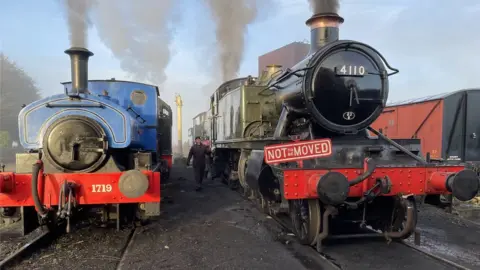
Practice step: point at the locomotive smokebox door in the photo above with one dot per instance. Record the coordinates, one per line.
(347, 89)
(75, 144)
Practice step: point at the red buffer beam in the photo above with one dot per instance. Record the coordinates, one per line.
(90, 188)
(309, 183)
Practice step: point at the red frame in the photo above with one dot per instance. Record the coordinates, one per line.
(15, 189)
(302, 183)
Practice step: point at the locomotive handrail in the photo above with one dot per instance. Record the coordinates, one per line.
(137, 115)
(272, 77)
(286, 74)
(395, 71)
(401, 148)
(98, 105)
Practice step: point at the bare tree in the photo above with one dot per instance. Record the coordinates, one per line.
(16, 89)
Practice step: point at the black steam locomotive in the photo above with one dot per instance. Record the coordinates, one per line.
(299, 141)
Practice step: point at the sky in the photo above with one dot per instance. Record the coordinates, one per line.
(434, 43)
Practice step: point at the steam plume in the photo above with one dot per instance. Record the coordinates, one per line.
(138, 34)
(324, 6)
(231, 19)
(77, 16)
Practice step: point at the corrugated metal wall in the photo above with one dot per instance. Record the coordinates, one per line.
(286, 56)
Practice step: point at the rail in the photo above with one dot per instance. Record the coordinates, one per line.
(26, 248)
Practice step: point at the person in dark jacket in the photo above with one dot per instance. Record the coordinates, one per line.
(208, 159)
(198, 151)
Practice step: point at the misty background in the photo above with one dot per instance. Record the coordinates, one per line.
(190, 47)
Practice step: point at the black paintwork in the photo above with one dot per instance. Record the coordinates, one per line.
(164, 130)
(314, 88)
(461, 126)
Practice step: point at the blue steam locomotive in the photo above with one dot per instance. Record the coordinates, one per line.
(103, 144)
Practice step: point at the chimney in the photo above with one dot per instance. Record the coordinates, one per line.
(79, 66)
(324, 29)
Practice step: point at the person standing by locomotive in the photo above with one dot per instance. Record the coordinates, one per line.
(198, 151)
(208, 159)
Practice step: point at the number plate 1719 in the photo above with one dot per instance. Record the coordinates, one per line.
(102, 188)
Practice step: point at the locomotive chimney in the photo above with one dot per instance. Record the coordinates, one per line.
(79, 66)
(323, 29)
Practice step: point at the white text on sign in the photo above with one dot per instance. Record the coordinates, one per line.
(297, 151)
(102, 188)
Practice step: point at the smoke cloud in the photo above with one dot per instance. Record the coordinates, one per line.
(138, 34)
(324, 6)
(231, 19)
(77, 17)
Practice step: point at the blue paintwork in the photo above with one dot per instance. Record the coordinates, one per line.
(122, 128)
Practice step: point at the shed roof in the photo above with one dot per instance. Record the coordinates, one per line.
(428, 98)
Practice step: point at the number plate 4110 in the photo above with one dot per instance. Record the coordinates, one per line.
(102, 188)
(351, 70)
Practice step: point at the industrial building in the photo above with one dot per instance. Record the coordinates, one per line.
(286, 56)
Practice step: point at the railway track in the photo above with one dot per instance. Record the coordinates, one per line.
(43, 237)
(126, 248)
(330, 262)
(43, 240)
(438, 258)
(412, 247)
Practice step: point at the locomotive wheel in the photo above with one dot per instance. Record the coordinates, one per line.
(228, 178)
(242, 172)
(306, 220)
(399, 216)
(247, 191)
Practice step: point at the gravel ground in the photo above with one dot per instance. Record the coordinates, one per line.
(211, 229)
(450, 236)
(86, 248)
(367, 254)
